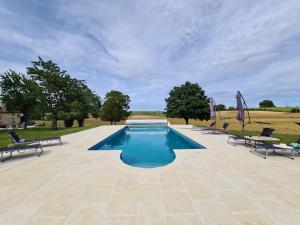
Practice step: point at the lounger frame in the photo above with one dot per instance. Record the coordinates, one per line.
(24, 148)
(269, 148)
(39, 140)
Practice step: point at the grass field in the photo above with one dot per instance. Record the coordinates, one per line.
(40, 132)
(277, 109)
(283, 122)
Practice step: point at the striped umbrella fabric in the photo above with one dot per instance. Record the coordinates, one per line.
(212, 106)
(240, 107)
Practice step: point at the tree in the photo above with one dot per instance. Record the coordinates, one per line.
(82, 102)
(189, 102)
(54, 84)
(19, 94)
(266, 104)
(95, 108)
(221, 107)
(115, 107)
(67, 117)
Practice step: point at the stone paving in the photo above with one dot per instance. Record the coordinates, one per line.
(222, 184)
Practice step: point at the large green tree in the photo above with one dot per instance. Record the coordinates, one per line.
(54, 83)
(82, 102)
(266, 104)
(188, 101)
(19, 93)
(221, 107)
(115, 107)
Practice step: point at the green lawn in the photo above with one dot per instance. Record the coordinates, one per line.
(284, 138)
(39, 133)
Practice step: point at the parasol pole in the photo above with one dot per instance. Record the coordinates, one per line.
(246, 107)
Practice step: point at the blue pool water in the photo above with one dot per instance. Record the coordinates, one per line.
(147, 146)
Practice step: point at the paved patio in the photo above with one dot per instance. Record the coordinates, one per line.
(222, 184)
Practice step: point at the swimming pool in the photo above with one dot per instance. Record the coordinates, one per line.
(147, 146)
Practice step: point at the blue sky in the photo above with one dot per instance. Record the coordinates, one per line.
(145, 48)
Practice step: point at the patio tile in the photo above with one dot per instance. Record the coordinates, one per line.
(127, 184)
(18, 214)
(106, 179)
(151, 213)
(71, 200)
(86, 214)
(149, 192)
(222, 184)
(123, 204)
(200, 191)
(170, 183)
(38, 220)
(39, 197)
(192, 176)
(124, 220)
(183, 220)
(219, 183)
(280, 212)
(237, 202)
(215, 212)
(149, 179)
(254, 219)
(57, 210)
(177, 202)
(289, 197)
(7, 202)
(265, 182)
(253, 191)
(97, 194)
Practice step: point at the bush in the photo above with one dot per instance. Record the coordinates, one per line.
(295, 110)
(67, 117)
(266, 104)
(221, 107)
(231, 108)
(69, 122)
(48, 117)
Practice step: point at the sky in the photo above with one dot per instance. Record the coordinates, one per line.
(145, 48)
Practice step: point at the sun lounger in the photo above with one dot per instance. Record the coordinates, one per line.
(21, 148)
(222, 130)
(270, 148)
(266, 132)
(39, 140)
(212, 125)
(17, 139)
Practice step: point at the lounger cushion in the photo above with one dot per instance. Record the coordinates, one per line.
(295, 145)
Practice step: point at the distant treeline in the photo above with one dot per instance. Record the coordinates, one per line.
(295, 109)
(278, 109)
(273, 109)
(149, 113)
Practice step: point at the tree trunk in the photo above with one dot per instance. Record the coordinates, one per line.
(111, 122)
(25, 120)
(186, 120)
(80, 122)
(54, 120)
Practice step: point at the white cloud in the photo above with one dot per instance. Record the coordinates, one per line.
(146, 47)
